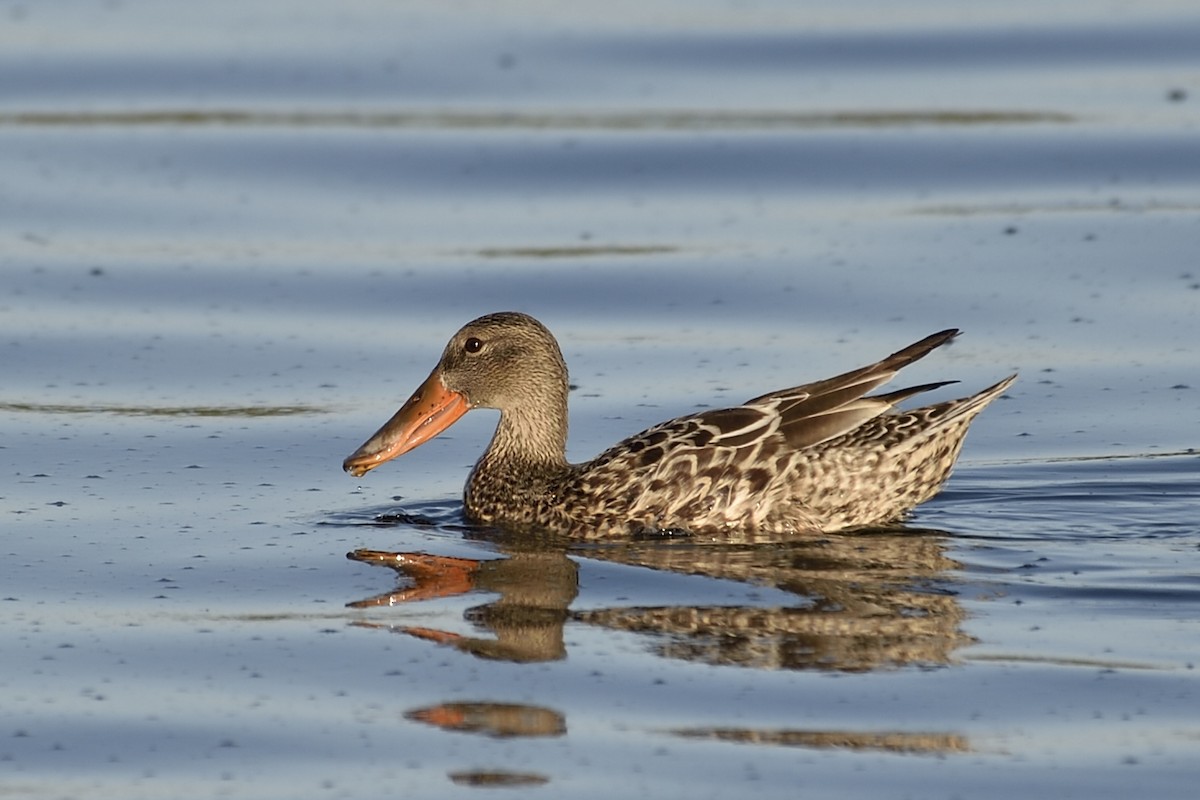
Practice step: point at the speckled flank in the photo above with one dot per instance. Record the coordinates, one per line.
(823, 456)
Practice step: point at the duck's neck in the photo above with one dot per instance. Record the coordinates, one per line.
(526, 457)
(532, 436)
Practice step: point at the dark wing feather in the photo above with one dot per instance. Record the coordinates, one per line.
(819, 411)
(870, 376)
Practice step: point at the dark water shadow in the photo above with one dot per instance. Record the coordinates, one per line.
(630, 120)
(126, 410)
(905, 742)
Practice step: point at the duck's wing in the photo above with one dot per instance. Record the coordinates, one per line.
(816, 412)
(726, 458)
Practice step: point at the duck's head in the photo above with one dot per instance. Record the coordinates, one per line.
(508, 361)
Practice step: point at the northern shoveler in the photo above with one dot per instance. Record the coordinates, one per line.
(817, 457)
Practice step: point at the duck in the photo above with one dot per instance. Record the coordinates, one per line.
(824, 456)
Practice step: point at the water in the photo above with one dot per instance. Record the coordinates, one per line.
(236, 236)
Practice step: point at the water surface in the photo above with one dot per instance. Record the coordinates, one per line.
(238, 235)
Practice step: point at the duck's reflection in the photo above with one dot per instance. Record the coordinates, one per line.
(491, 778)
(862, 601)
(535, 587)
(498, 720)
(865, 601)
(883, 741)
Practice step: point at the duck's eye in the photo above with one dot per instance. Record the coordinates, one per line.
(473, 345)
